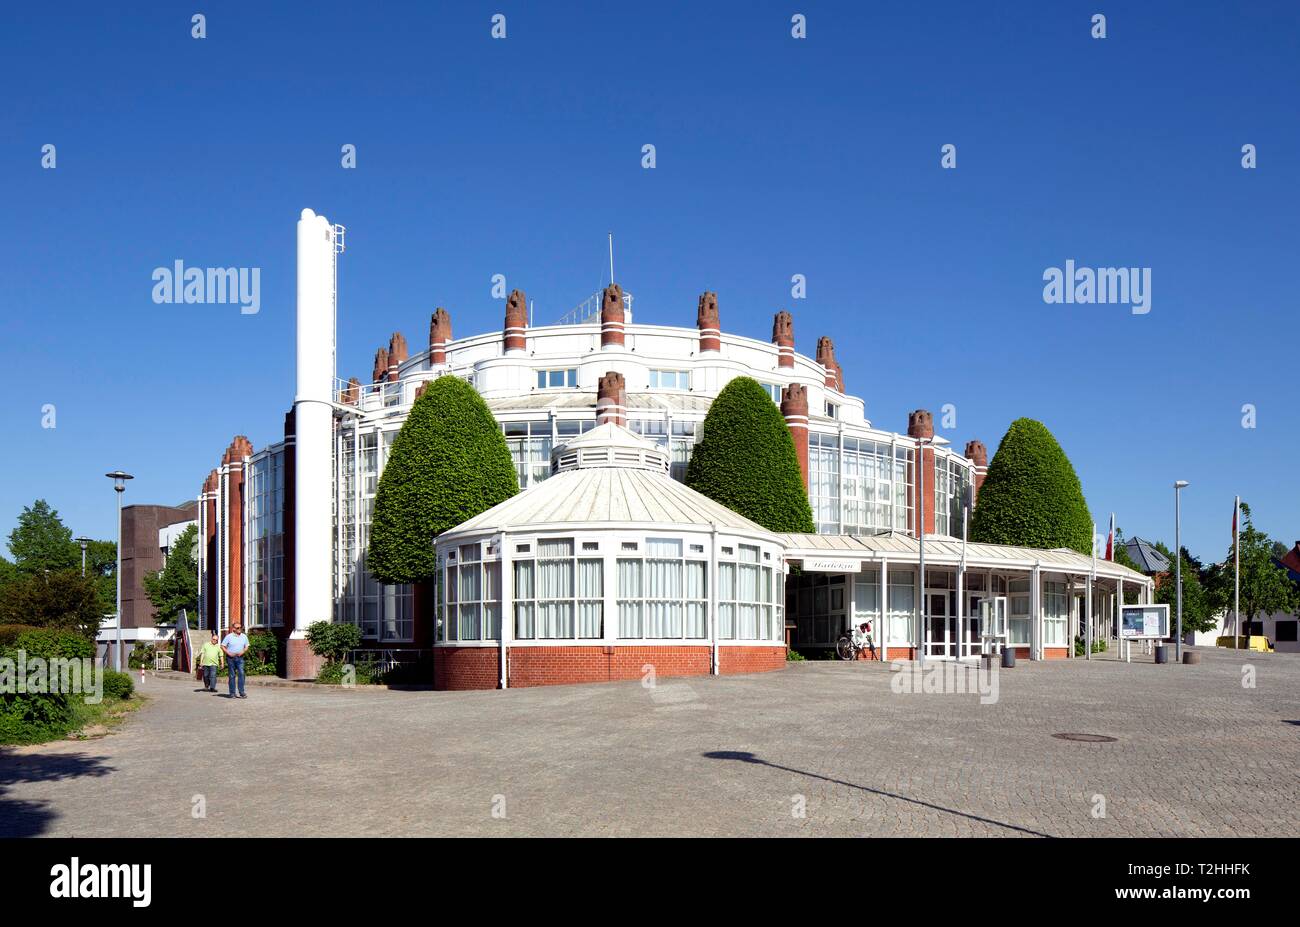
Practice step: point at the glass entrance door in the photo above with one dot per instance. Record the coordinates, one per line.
(971, 644)
(941, 632)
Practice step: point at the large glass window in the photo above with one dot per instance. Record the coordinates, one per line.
(951, 490)
(1056, 611)
(670, 379)
(857, 485)
(558, 595)
(866, 599)
(530, 446)
(555, 379)
(824, 481)
(902, 605)
(746, 597)
(473, 589)
(662, 592)
(264, 546)
(1019, 625)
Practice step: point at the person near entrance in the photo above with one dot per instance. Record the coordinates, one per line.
(209, 660)
(234, 645)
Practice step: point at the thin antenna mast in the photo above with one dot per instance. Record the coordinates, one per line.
(611, 258)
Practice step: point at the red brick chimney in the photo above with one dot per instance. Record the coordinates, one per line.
(380, 371)
(397, 354)
(707, 321)
(232, 462)
(611, 399)
(920, 424)
(783, 338)
(611, 318)
(826, 357)
(978, 454)
(211, 583)
(439, 335)
(794, 406)
(516, 322)
(351, 393)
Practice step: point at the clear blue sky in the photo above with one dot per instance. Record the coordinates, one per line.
(775, 156)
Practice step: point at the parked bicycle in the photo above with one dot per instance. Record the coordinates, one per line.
(854, 641)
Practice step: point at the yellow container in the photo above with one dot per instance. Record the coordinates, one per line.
(1254, 642)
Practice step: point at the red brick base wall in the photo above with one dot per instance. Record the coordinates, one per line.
(750, 659)
(1055, 653)
(299, 661)
(900, 653)
(477, 667)
(466, 667)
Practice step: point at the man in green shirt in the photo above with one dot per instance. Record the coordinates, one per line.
(209, 660)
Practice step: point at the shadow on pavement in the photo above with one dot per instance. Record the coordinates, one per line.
(33, 818)
(743, 757)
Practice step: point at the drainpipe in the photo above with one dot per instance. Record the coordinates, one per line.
(713, 597)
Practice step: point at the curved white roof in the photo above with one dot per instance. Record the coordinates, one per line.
(606, 477)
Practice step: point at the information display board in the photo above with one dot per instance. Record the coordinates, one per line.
(1143, 622)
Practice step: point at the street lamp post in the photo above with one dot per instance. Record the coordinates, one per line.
(1178, 565)
(119, 485)
(84, 542)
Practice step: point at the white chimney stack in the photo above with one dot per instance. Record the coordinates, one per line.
(314, 425)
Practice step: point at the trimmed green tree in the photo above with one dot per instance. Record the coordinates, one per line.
(1032, 496)
(176, 585)
(449, 462)
(41, 542)
(745, 459)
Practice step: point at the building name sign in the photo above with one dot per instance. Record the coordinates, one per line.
(832, 564)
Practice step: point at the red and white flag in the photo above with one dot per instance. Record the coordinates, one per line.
(1110, 539)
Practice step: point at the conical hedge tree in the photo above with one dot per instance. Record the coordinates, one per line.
(1032, 496)
(449, 462)
(745, 459)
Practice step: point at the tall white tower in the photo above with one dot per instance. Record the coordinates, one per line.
(314, 434)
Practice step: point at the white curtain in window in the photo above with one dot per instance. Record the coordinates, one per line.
(629, 594)
(591, 589)
(902, 602)
(726, 595)
(696, 595)
(525, 628)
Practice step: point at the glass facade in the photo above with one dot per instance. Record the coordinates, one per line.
(952, 487)
(858, 486)
(264, 540)
(384, 613)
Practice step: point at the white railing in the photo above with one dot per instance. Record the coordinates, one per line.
(589, 309)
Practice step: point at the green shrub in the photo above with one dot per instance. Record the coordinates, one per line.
(364, 672)
(745, 459)
(118, 685)
(142, 656)
(794, 656)
(1032, 496)
(9, 633)
(52, 642)
(1080, 647)
(261, 657)
(449, 462)
(31, 718)
(333, 641)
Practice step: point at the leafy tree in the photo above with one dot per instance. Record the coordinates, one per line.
(176, 585)
(1032, 496)
(1197, 614)
(449, 462)
(41, 542)
(746, 460)
(8, 572)
(1265, 586)
(63, 599)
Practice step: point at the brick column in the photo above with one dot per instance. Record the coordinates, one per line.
(783, 338)
(397, 355)
(380, 371)
(612, 318)
(978, 454)
(611, 399)
(351, 393)
(794, 406)
(826, 357)
(439, 335)
(233, 463)
(516, 331)
(707, 321)
(920, 424)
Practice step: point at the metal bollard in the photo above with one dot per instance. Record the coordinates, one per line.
(1162, 653)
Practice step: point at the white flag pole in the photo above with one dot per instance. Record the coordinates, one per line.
(963, 629)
